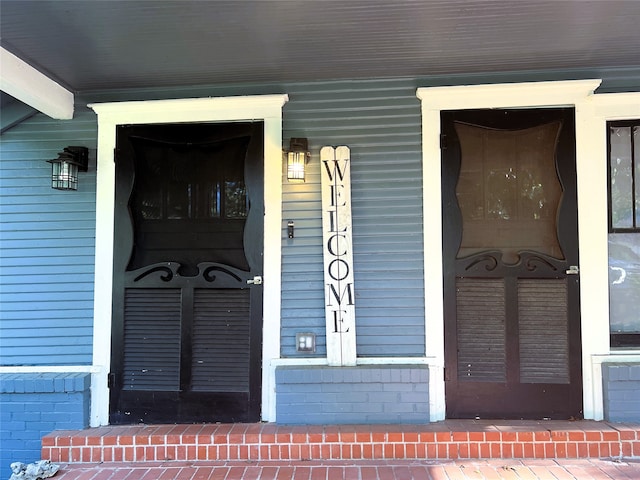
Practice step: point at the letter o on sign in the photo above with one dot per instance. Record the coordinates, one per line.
(338, 269)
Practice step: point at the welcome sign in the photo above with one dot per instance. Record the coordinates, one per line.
(338, 255)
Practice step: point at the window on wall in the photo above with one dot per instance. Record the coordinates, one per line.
(624, 232)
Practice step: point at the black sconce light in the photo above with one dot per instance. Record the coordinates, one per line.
(65, 168)
(297, 158)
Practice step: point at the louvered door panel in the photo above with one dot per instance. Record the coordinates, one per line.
(221, 340)
(152, 339)
(544, 342)
(481, 329)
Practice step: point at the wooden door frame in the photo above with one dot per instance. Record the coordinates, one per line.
(592, 216)
(266, 108)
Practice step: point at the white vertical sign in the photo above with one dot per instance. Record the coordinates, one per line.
(338, 255)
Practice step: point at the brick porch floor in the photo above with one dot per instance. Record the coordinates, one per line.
(575, 469)
(448, 440)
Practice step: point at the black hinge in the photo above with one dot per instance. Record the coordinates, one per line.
(443, 141)
(446, 378)
(111, 380)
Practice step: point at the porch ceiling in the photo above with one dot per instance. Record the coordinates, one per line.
(94, 45)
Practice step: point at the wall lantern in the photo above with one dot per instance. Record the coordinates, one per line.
(65, 168)
(297, 158)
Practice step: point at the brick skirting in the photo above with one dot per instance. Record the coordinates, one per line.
(33, 404)
(621, 388)
(443, 440)
(366, 394)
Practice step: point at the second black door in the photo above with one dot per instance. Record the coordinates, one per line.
(512, 321)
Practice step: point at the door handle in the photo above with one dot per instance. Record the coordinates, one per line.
(257, 280)
(573, 270)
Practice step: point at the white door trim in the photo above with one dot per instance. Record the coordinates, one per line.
(592, 213)
(267, 108)
(593, 177)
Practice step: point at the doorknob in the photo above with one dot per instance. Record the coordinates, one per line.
(573, 270)
(257, 280)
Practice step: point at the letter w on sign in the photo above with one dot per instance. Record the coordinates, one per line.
(335, 171)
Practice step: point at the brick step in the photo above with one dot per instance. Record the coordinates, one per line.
(451, 439)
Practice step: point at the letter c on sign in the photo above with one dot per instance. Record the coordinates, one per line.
(334, 243)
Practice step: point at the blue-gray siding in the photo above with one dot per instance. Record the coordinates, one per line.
(47, 240)
(380, 122)
(47, 237)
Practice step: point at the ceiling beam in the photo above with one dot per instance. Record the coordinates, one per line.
(25, 83)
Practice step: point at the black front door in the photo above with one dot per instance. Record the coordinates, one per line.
(187, 293)
(512, 323)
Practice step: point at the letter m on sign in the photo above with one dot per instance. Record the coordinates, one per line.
(337, 236)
